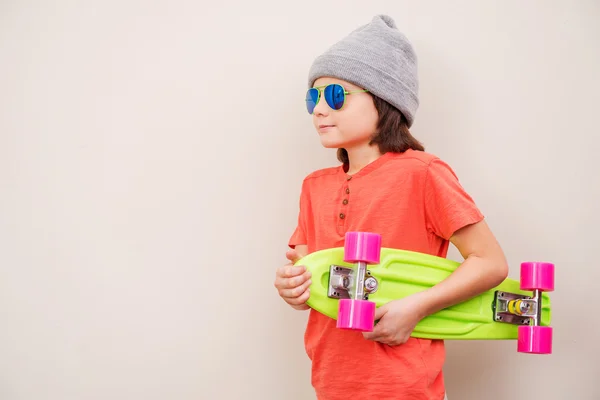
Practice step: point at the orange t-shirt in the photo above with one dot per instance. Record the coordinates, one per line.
(414, 200)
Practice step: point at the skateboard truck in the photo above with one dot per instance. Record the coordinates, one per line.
(342, 283)
(526, 311)
(518, 309)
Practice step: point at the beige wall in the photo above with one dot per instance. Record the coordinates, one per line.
(146, 147)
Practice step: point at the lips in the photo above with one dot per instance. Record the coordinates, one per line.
(322, 126)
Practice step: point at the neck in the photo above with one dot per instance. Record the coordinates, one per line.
(360, 157)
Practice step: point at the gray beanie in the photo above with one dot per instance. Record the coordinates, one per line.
(376, 57)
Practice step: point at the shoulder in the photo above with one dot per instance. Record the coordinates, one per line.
(415, 157)
(417, 161)
(319, 180)
(321, 174)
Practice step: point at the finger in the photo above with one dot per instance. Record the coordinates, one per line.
(379, 334)
(295, 291)
(290, 271)
(375, 337)
(300, 307)
(301, 300)
(290, 283)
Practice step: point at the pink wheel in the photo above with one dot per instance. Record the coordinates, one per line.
(537, 276)
(358, 315)
(535, 339)
(362, 247)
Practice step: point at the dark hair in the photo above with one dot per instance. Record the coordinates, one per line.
(392, 134)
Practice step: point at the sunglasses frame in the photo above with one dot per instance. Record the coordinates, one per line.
(321, 90)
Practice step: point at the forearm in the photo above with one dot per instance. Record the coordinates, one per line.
(473, 277)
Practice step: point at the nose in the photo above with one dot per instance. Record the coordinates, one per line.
(322, 108)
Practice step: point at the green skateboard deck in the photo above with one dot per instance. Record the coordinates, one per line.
(401, 273)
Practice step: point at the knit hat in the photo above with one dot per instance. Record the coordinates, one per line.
(376, 57)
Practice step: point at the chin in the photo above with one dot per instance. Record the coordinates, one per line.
(330, 139)
(331, 144)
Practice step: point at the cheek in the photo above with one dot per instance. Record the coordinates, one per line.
(361, 124)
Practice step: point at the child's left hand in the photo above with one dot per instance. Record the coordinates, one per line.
(397, 320)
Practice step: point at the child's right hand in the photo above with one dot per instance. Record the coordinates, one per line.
(292, 282)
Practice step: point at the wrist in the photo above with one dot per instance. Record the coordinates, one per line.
(425, 303)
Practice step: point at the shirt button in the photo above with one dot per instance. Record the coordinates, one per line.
(347, 190)
(342, 216)
(348, 178)
(345, 201)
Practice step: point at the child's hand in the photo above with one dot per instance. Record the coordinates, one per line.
(397, 320)
(292, 282)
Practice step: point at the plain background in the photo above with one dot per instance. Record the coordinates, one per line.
(151, 156)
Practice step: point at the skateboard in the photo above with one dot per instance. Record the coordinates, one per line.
(349, 282)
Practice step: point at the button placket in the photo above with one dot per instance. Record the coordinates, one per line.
(343, 211)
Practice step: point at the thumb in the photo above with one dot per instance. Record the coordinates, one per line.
(380, 312)
(292, 255)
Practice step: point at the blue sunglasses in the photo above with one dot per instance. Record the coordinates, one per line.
(335, 96)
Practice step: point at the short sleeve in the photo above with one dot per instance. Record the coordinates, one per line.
(448, 207)
(299, 236)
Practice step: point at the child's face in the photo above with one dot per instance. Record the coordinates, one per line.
(351, 127)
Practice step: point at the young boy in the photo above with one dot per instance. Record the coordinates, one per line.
(363, 98)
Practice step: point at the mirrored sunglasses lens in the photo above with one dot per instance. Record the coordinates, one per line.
(335, 96)
(312, 96)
